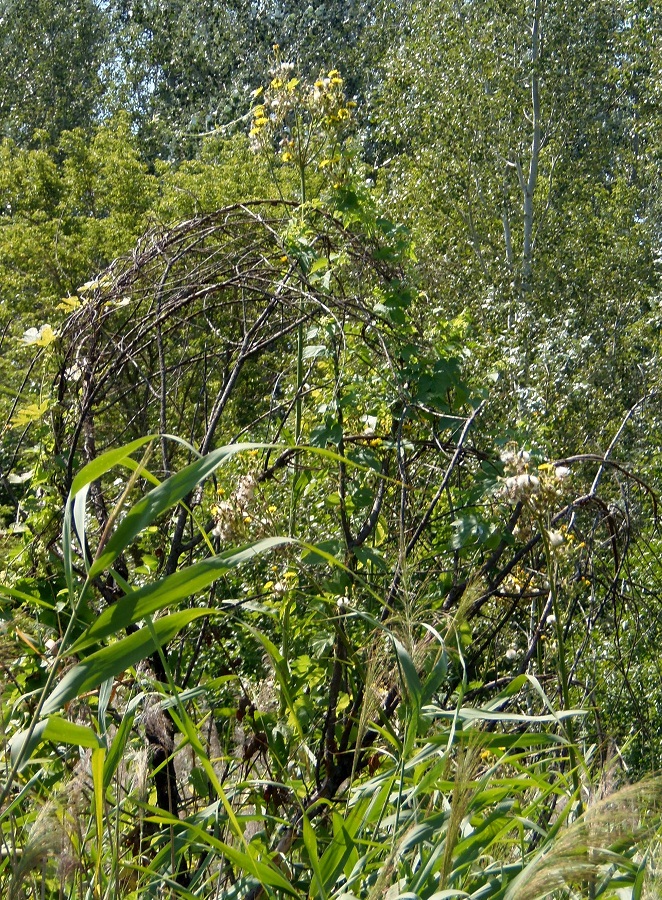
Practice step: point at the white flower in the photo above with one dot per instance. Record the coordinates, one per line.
(225, 521)
(511, 456)
(511, 654)
(555, 538)
(74, 373)
(550, 620)
(519, 487)
(245, 490)
(561, 472)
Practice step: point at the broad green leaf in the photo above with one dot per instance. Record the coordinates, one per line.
(310, 843)
(110, 661)
(448, 894)
(69, 304)
(29, 413)
(410, 677)
(335, 857)
(105, 462)
(116, 751)
(169, 591)
(468, 714)
(160, 498)
(55, 729)
(436, 677)
(98, 755)
(6, 591)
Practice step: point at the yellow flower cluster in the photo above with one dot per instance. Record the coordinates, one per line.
(304, 121)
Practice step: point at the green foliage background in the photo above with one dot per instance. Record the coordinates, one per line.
(329, 558)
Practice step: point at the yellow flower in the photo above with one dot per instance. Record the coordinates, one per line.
(42, 336)
(287, 157)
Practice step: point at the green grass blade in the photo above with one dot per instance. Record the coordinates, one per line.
(55, 729)
(161, 498)
(116, 751)
(110, 661)
(169, 591)
(98, 755)
(310, 843)
(245, 861)
(106, 462)
(410, 677)
(335, 857)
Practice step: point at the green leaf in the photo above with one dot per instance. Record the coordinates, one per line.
(116, 751)
(245, 862)
(410, 677)
(335, 857)
(468, 714)
(310, 843)
(169, 591)
(369, 555)
(104, 463)
(110, 661)
(161, 498)
(55, 729)
(97, 763)
(324, 552)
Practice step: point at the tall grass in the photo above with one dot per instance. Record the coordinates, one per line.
(424, 791)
